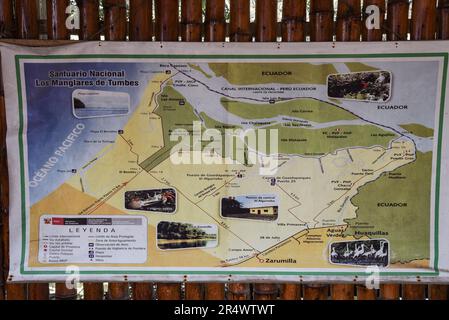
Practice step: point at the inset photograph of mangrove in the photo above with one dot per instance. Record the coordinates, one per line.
(155, 200)
(179, 235)
(372, 86)
(94, 103)
(254, 207)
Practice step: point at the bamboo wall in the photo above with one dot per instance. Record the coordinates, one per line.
(183, 21)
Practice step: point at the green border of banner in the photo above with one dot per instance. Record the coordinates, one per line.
(435, 272)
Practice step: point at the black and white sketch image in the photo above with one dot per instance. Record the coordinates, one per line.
(373, 252)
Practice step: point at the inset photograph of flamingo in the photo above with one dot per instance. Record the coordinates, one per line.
(374, 252)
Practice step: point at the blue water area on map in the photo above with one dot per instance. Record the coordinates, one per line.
(51, 119)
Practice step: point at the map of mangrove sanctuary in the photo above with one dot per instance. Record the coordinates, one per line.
(175, 166)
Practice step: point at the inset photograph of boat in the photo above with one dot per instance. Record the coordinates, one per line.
(179, 235)
(94, 103)
(155, 200)
(371, 86)
(253, 207)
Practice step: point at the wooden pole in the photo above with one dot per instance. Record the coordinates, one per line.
(118, 291)
(342, 292)
(64, 293)
(321, 20)
(363, 293)
(239, 32)
(266, 20)
(140, 20)
(3, 196)
(27, 19)
(443, 19)
(115, 20)
(240, 21)
(142, 291)
(266, 27)
(423, 20)
(89, 19)
(316, 292)
(349, 25)
(373, 34)
(239, 291)
(168, 291)
(397, 27)
(27, 28)
(293, 20)
(290, 291)
(215, 31)
(194, 291)
(115, 30)
(56, 20)
(265, 291)
(397, 17)
(6, 19)
(38, 291)
(215, 23)
(413, 291)
(214, 291)
(93, 291)
(191, 20)
(167, 20)
(438, 292)
(390, 291)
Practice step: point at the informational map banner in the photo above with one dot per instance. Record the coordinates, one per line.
(222, 162)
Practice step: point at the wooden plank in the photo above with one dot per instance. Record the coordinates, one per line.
(89, 19)
(423, 20)
(140, 20)
(316, 292)
(142, 291)
(321, 20)
(7, 27)
(240, 21)
(342, 292)
(115, 20)
(93, 291)
(373, 34)
(293, 20)
(397, 22)
(266, 20)
(191, 20)
(167, 12)
(349, 25)
(215, 23)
